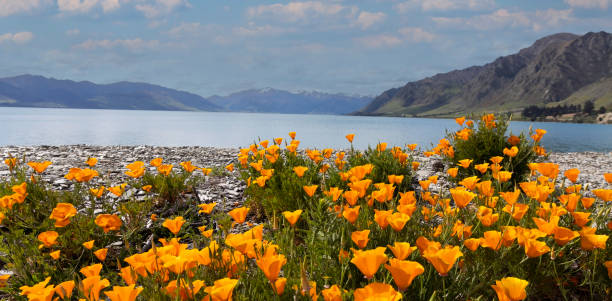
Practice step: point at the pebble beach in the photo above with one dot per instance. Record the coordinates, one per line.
(229, 188)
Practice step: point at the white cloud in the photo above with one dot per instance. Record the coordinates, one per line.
(444, 5)
(301, 11)
(367, 19)
(405, 35)
(254, 30)
(416, 34)
(602, 4)
(153, 9)
(11, 7)
(150, 8)
(379, 41)
(73, 32)
(78, 6)
(503, 18)
(17, 38)
(129, 44)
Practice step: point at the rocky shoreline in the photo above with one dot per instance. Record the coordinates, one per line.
(113, 159)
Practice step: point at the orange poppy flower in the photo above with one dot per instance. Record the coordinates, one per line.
(535, 248)
(97, 192)
(608, 177)
(55, 254)
(472, 243)
(415, 165)
(135, 173)
(486, 217)
(465, 163)
(271, 265)
(510, 288)
(360, 238)
(292, 217)
(581, 218)
(222, 289)
(453, 172)
(461, 197)
(310, 190)
(550, 170)
(165, 169)
(239, 214)
(174, 225)
(517, 210)
(590, 241)
(91, 287)
(300, 170)
(279, 284)
(564, 235)
(572, 174)
(511, 152)
(64, 289)
(425, 184)
(482, 168)
(351, 214)
(334, 293)
(587, 202)
(604, 194)
(369, 261)
(91, 162)
(469, 182)
(510, 196)
(230, 167)
(496, 159)
(39, 167)
(608, 265)
(351, 197)
(547, 227)
(62, 214)
(380, 217)
(124, 293)
(11, 163)
(401, 250)
(377, 291)
(207, 208)
(101, 254)
(514, 140)
(503, 176)
(404, 272)
(48, 238)
(443, 259)
(88, 244)
(397, 221)
(204, 232)
(91, 270)
(117, 190)
(407, 209)
(156, 162)
(491, 240)
(108, 222)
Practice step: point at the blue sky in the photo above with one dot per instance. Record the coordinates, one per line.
(222, 46)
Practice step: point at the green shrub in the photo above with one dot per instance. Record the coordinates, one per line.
(487, 137)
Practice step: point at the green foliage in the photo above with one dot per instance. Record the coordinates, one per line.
(490, 139)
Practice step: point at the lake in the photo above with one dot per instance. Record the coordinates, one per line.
(40, 126)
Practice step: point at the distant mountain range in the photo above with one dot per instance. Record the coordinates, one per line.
(558, 69)
(39, 91)
(270, 100)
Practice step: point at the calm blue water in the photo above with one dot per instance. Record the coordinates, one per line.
(34, 126)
